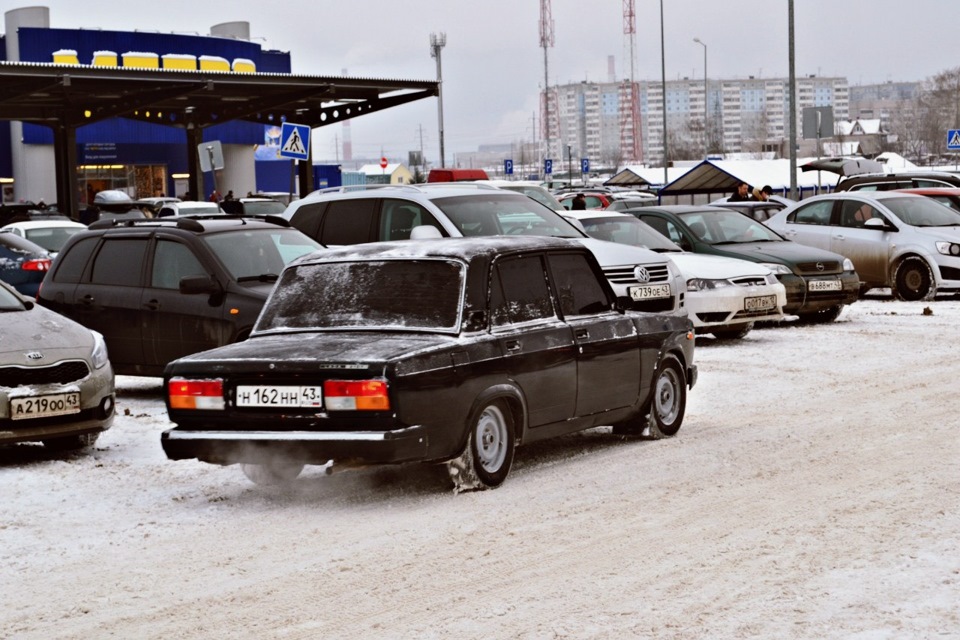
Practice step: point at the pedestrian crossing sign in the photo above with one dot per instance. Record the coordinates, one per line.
(953, 139)
(295, 141)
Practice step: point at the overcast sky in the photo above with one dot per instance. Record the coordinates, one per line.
(493, 63)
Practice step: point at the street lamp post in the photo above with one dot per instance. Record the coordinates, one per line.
(663, 98)
(438, 42)
(706, 120)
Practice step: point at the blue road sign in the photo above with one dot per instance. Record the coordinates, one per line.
(295, 141)
(953, 139)
(508, 167)
(548, 166)
(584, 165)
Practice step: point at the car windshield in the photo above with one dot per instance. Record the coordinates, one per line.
(399, 295)
(727, 227)
(51, 238)
(922, 212)
(9, 301)
(271, 207)
(538, 193)
(494, 214)
(259, 254)
(628, 230)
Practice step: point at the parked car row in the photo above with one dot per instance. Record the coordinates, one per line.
(346, 333)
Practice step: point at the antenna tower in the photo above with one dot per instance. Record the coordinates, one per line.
(630, 133)
(547, 98)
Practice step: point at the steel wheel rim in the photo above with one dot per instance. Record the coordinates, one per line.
(491, 439)
(667, 398)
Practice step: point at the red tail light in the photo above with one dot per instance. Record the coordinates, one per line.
(40, 264)
(195, 394)
(356, 395)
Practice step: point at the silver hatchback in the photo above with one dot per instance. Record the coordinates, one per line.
(907, 242)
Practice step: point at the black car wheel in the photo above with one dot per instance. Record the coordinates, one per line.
(823, 315)
(486, 460)
(272, 473)
(664, 412)
(913, 280)
(732, 332)
(71, 443)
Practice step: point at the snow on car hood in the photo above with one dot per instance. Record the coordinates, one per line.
(324, 346)
(615, 253)
(701, 265)
(43, 331)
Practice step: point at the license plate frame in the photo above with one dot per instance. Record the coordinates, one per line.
(832, 284)
(278, 396)
(650, 292)
(48, 405)
(760, 303)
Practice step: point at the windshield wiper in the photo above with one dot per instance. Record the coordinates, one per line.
(263, 277)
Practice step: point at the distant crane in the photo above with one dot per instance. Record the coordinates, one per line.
(630, 134)
(547, 101)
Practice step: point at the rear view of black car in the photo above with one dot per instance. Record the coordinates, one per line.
(452, 351)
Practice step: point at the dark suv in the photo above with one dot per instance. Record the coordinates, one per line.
(161, 289)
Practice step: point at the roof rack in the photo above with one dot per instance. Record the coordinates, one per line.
(190, 222)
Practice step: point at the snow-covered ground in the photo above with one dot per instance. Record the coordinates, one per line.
(813, 492)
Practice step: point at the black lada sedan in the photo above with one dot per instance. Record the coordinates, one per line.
(450, 351)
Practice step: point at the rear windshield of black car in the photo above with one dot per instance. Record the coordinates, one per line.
(375, 294)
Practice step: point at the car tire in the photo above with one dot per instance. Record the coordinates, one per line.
(823, 315)
(71, 443)
(486, 460)
(663, 414)
(734, 332)
(913, 280)
(272, 474)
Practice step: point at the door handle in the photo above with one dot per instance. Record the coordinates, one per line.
(153, 305)
(582, 334)
(87, 300)
(513, 345)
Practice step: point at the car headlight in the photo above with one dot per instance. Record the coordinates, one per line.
(848, 265)
(99, 354)
(948, 248)
(706, 284)
(771, 278)
(777, 268)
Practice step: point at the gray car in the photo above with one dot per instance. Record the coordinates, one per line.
(907, 242)
(56, 382)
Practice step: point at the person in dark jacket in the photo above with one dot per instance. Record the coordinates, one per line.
(742, 194)
(579, 203)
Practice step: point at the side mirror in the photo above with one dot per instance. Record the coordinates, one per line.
(424, 232)
(191, 285)
(876, 223)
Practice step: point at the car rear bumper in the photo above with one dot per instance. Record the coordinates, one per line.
(310, 447)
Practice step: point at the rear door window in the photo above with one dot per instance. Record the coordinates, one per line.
(119, 262)
(348, 222)
(814, 213)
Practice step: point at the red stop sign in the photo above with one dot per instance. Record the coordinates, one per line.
(383, 163)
